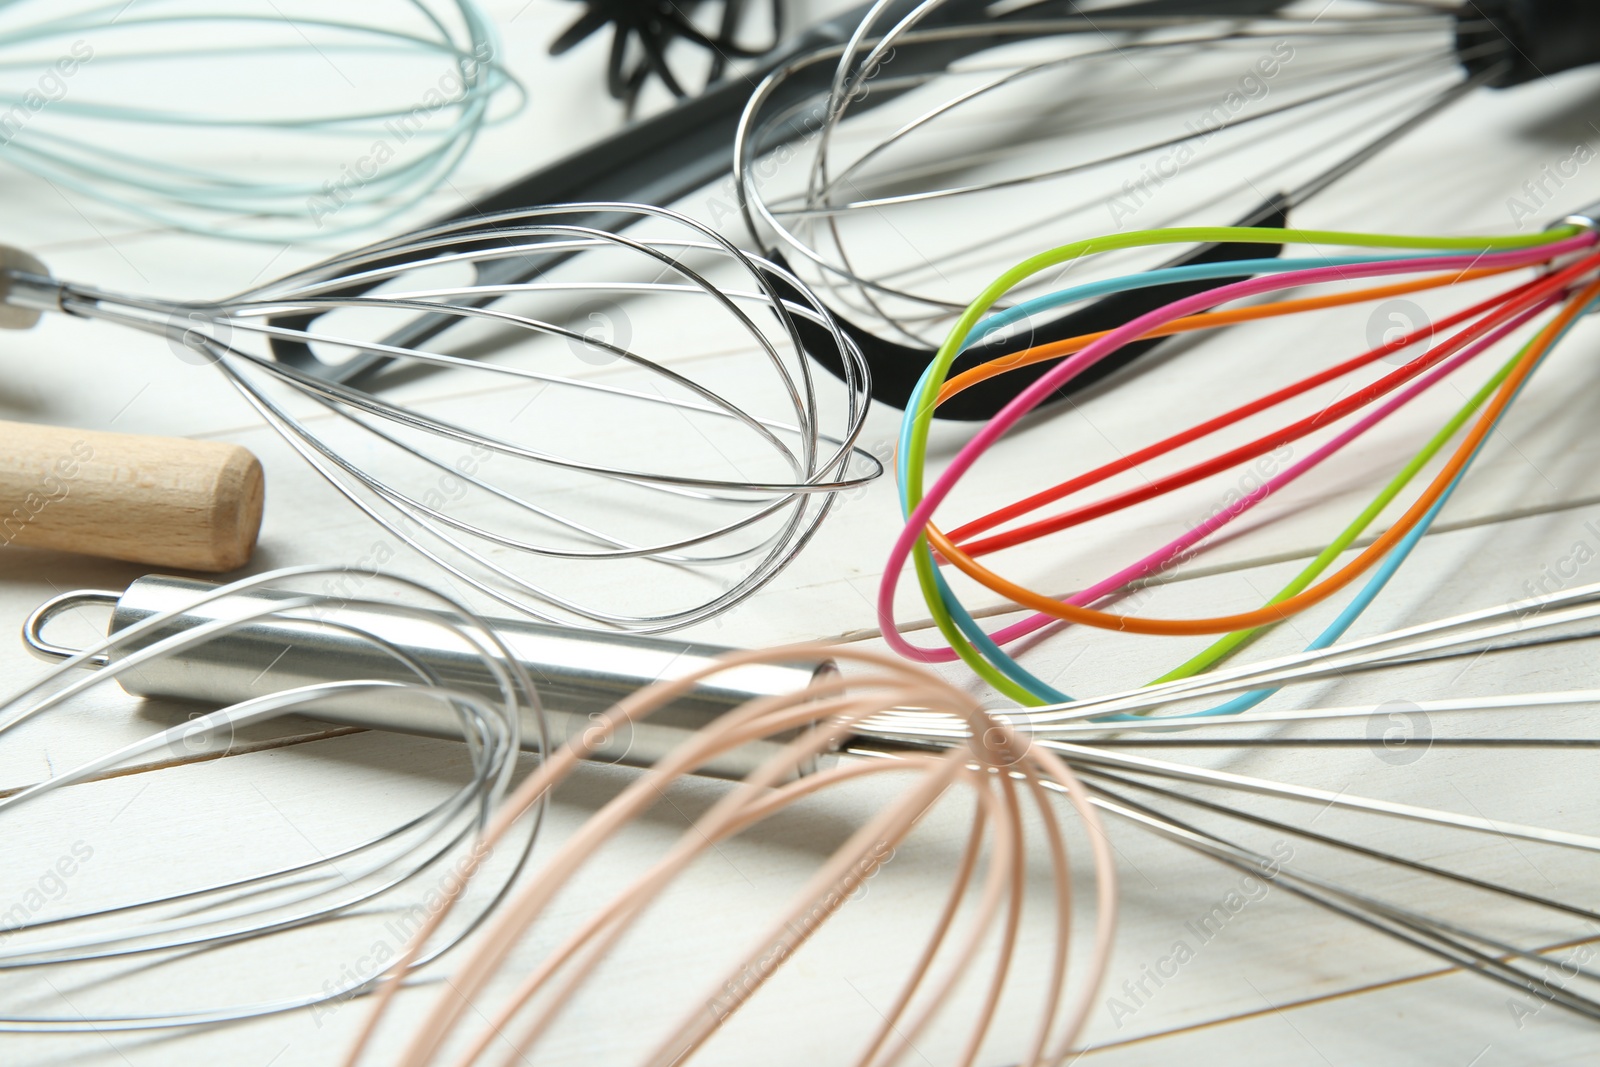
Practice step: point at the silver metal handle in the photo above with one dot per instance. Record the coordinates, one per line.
(26, 289)
(1586, 217)
(578, 674)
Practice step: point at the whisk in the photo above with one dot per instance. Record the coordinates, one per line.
(1427, 354)
(1329, 846)
(650, 28)
(898, 190)
(334, 905)
(664, 422)
(1430, 894)
(396, 653)
(173, 112)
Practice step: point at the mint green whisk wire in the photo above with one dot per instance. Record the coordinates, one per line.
(170, 193)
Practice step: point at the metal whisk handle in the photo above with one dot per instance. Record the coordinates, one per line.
(26, 289)
(578, 674)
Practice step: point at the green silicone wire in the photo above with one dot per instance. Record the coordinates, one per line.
(922, 418)
(1228, 643)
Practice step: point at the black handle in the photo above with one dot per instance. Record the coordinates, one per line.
(1529, 39)
(896, 368)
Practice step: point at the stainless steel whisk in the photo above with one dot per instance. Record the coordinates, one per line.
(1492, 883)
(683, 443)
(377, 869)
(912, 188)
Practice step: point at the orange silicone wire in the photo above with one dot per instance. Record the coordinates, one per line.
(1275, 613)
(965, 533)
(1206, 320)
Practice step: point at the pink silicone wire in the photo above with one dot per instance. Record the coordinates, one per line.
(1069, 368)
(1161, 556)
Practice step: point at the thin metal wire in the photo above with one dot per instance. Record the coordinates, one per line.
(1457, 945)
(700, 536)
(1113, 758)
(345, 884)
(981, 911)
(1057, 121)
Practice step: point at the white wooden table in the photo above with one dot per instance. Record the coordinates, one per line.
(1285, 982)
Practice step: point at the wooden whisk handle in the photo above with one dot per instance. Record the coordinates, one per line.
(165, 501)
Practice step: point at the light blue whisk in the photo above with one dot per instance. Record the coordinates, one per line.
(179, 112)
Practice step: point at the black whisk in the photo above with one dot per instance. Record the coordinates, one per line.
(656, 25)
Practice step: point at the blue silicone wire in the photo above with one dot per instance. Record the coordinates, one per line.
(1391, 563)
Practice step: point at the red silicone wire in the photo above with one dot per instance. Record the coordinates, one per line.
(1504, 308)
